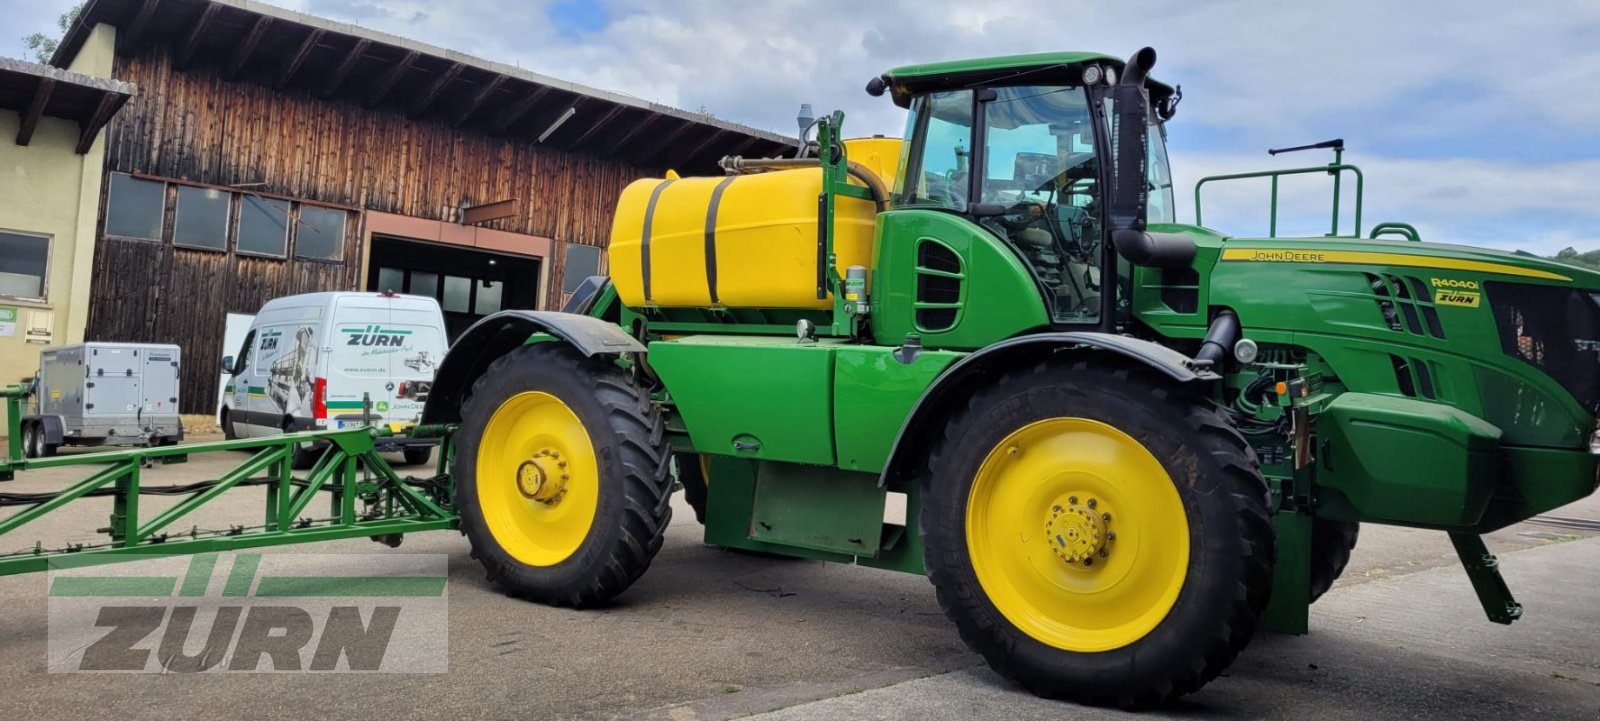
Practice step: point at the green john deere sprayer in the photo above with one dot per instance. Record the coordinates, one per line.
(1122, 444)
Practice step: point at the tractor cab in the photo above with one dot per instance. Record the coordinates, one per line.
(1022, 146)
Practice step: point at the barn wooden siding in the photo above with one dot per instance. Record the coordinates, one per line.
(192, 126)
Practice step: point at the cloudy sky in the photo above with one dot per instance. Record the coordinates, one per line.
(1478, 122)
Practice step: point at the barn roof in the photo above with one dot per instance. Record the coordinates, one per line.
(293, 51)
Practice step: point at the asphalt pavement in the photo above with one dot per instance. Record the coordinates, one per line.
(707, 634)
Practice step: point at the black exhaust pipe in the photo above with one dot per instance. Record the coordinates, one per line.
(1138, 67)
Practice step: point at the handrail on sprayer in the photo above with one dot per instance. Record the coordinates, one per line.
(1334, 169)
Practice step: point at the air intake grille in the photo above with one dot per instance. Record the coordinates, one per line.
(941, 280)
(1414, 377)
(1556, 330)
(1406, 304)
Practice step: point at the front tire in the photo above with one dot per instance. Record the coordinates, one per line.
(562, 476)
(1097, 534)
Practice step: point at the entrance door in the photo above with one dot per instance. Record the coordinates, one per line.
(469, 284)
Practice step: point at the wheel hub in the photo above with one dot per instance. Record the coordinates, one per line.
(1078, 530)
(543, 477)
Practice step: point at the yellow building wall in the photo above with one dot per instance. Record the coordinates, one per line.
(52, 191)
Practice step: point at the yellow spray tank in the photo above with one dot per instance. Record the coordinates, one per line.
(742, 241)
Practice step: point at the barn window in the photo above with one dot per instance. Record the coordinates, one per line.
(201, 220)
(319, 234)
(134, 207)
(263, 225)
(23, 260)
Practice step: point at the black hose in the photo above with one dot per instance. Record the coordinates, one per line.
(1221, 336)
(875, 185)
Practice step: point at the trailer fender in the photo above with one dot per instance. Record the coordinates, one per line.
(965, 375)
(503, 332)
(55, 432)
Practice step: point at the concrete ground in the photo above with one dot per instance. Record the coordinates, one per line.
(708, 634)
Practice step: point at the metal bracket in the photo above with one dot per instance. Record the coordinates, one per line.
(1483, 569)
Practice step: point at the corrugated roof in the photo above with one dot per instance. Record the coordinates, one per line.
(294, 51)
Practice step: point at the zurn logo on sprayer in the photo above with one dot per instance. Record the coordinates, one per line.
(373, 335)
(251, 613)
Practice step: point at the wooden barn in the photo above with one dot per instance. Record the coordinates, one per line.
(268, 153)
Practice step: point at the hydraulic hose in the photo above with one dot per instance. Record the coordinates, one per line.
(736, 165)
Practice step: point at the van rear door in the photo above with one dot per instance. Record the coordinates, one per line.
(412, 369)
(358, 368)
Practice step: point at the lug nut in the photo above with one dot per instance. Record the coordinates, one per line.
(1105, 517)
(1088, 561)
(1103, 553)
(1111, 536)
(1072, 500)
(1092, 503)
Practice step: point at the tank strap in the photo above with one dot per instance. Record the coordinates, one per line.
(711, 236)
(644, 243)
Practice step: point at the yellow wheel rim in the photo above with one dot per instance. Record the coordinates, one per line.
(537, 481)
(1077, 534)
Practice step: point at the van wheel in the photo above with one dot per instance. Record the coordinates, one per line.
(228, 433)
(418, 456)
(304, 455)
(562, 478)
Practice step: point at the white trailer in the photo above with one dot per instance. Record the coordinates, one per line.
(91, 394)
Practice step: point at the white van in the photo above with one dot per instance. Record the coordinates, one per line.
(335, 360)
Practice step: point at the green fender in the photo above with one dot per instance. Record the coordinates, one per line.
(969, 373)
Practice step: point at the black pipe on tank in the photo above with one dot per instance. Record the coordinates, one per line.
(1223, 333)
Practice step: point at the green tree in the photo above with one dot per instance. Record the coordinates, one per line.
(1586, 259)
(43, 46)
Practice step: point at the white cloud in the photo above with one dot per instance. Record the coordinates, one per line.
(1452, 93)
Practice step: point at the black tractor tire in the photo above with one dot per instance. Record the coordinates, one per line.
(417, 456)
(633, 479)
(693, 478)
(1225, 500)
(1331, 544)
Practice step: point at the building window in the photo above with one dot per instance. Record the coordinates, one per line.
(134, 207)
(581, 261)
(23, 260)
(424, 284)
(263, 226)
(201, 219)
(319, 234)
(391, 280)
(488, 298)
(457, 294)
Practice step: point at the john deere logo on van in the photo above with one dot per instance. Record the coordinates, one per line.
(375, 336)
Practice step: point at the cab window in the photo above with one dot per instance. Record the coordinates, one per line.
(937, 161)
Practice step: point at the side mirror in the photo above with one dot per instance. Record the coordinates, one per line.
(227, 364)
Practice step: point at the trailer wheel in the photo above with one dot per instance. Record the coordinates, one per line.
(1331, 544)
(1098, 534)
(31, 433)
(562, 478)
